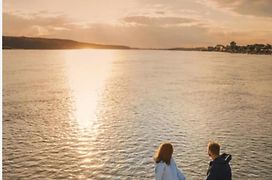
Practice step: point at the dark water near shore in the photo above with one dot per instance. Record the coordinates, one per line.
(100, 114)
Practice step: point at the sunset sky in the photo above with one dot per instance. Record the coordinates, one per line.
(142, 23)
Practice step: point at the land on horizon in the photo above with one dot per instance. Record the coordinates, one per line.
(15, 42)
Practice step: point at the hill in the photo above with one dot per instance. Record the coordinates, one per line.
(13, 42)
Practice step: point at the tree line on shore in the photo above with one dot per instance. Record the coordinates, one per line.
(247, 49)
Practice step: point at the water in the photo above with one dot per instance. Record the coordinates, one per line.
(100, 114)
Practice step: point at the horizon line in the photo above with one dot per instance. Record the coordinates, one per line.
(121, 45)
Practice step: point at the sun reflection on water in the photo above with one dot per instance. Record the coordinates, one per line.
(87, 74)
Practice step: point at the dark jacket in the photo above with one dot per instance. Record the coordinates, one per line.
(219, 168)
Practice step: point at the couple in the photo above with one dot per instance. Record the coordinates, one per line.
(166, 168)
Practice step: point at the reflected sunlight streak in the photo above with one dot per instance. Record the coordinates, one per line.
(87, 74)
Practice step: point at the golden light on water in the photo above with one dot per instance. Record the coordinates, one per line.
(87, 73)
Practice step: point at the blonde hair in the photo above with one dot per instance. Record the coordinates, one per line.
(214, 148)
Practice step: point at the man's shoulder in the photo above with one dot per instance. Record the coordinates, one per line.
(219, 166)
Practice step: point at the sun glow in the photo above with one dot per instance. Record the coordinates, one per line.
(87, 74)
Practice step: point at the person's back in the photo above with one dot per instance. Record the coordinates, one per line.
(165, 167)
(168, 172)
(219, 168)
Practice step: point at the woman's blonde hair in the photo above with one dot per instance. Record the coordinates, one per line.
(164, 153)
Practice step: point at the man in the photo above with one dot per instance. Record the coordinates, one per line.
(219, 168)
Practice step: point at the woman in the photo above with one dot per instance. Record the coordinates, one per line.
(166, 168)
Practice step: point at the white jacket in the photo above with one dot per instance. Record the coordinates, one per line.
(168, 172)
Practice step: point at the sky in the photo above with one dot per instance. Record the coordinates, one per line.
(142, 23)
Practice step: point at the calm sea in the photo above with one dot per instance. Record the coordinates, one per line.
(101, 114)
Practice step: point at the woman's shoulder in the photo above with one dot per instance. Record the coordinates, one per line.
(161, 163)
(172, 161)
(159, 166)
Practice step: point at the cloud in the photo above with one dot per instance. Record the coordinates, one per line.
(152, 36)
(33, 24)
(147, 31)
(135, 31)
(157, 21)
(247, 7)
(160, 12)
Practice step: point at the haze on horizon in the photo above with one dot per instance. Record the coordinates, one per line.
(142, 23)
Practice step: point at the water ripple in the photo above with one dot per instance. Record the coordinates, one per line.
(137, 100)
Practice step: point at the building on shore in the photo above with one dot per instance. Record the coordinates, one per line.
(248, 49)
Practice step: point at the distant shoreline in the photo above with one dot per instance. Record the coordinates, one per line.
(13, 42)
(33, 43)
